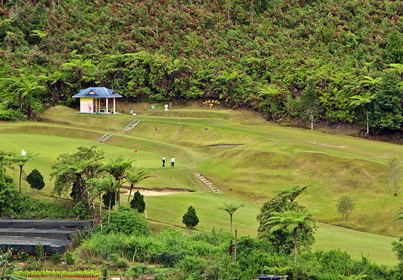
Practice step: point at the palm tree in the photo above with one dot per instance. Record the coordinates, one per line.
(72, 172)
(134, 176)
(83, 69)
(21, 89)
(117, 168)
(293, 223)
(230, 209)
(369, 84)
(20, 160)
(363, 100)
(55, 84)
(99, 186)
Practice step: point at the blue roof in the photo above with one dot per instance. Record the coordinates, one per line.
(97, 92)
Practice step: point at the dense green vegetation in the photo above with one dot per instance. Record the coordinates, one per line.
(299, 61)
(308, 60)
(249, 159)
(235, 153)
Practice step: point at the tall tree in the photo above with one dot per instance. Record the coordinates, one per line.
(102, 186)
(282, 202)
(394, 175)
(190, 218)
(117, 168)
(230, 209)
(364, 100)
(22, 90)
(20, 161)
(35, 180)
(345, 206)
(298, 226)
(72, 172)
(138, 202)
(310, 101)
(134, 176)
(80, 69)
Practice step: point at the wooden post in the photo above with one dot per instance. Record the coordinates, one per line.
(114, 106)
(107, 105)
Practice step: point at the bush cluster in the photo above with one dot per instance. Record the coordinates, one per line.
(206, 256)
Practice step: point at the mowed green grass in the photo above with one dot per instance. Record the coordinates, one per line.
(46, 149)
(269, 158)
(170, 209)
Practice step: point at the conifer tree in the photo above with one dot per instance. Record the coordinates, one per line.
(190, 218)
(35, 180)
(138, 202)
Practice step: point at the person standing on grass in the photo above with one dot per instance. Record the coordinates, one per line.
(164, 158)
(172, 162)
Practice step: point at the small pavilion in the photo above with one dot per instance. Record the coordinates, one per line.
(95, 100)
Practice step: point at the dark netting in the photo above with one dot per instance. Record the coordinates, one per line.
(28, 223)
(54, 235)
(45, 233)
(27, 244)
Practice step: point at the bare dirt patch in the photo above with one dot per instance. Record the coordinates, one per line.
(157, 191)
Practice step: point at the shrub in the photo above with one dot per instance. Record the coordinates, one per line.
(22, 256)
(11, 201)
(136, 271)
(398, 249)
(190, 218)
(33, 208)
(40, 252)
(345, 206)
(121, 263)
(69, 259)
(109, 197)
(127, 221)
(81, 211)
(56, 258)
(138, 202)
(11, 115)
(33, 264)
(166, 258)
(192, 267)
(215, 237)
(35, 180)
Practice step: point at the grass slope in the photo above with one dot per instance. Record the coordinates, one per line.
(269, 158)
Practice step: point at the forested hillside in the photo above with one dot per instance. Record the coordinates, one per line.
(325, 60)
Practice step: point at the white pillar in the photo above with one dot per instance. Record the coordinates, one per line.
(107, 105)
(114, 106)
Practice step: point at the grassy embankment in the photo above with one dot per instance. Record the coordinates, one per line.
(269, 159)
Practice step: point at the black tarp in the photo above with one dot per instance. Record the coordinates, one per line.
(54, 235)
(45, 223)
(45, 233)
(27, 244)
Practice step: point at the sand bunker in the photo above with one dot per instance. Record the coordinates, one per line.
(157, 192)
